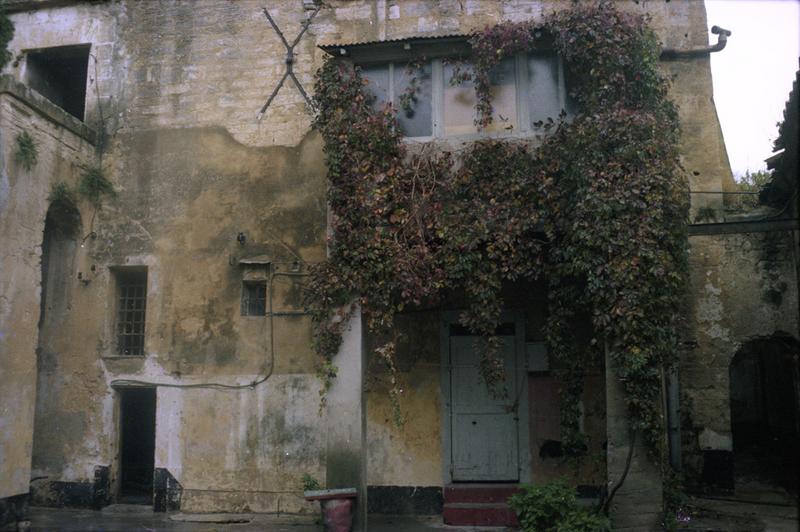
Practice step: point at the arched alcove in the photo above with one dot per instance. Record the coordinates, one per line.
(61, 228)
(765, 418)
(60, 241)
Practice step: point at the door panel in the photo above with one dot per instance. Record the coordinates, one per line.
(483, 429)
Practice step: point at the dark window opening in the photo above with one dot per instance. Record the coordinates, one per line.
(254, 298)
(131, 306)
(59, 74)
(138, 444)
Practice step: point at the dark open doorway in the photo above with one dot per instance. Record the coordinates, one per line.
(138, 444)
(764, 412)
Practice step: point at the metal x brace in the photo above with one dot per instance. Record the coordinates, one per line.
(289, 59)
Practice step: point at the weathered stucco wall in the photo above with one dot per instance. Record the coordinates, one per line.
(176, 87)
(62, 144)
(742, 286)
(411, 454)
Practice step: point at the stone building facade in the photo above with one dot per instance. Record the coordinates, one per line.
(200, 257)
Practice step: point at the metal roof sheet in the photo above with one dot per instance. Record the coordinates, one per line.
(422, 38)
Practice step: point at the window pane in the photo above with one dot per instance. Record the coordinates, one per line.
(415, 121)
(254, 296)
(459, 101)
(543, 88)
(378, 86)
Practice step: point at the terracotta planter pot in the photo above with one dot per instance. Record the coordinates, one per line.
(337, 507)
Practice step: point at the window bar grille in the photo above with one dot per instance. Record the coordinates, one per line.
(130, 320)
(254, 299)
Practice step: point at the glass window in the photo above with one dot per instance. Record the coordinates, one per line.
(460, 101)
(413, 90)
(378, 84)
(543, 88)
(409, 90)
(525, 91)
(254, 298)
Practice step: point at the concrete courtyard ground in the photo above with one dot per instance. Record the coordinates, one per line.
(117, 518)
(708, 515)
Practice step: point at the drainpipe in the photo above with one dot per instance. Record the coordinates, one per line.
(722, 40)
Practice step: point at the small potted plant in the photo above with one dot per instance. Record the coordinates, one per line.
(336, 504)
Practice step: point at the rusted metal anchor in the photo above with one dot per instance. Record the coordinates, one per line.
(289, 73)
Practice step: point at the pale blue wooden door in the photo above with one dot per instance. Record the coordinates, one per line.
(483, 429)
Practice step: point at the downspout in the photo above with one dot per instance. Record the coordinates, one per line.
(670, 378)
(722, 40)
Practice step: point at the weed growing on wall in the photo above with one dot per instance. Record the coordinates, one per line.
(598, 210)
(93, 185)
(64, 207)
(26, 153)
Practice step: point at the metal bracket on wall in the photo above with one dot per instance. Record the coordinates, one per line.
(289, 73)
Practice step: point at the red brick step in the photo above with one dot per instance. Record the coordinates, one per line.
(479, 505)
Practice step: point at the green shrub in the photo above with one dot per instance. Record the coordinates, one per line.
(553, 507)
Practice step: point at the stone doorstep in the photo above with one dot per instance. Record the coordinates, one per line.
(479, 514)
(479, 505)
(128, 509)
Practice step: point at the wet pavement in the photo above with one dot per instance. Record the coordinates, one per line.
(756, 506)
(765, 510)
(119, 518)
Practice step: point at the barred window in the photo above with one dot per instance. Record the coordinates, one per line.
(254, 298)
(131, 305)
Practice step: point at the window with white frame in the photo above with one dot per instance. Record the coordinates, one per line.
(526, 91)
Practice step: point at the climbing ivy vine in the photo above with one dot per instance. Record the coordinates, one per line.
(597, 210)
(6, 34)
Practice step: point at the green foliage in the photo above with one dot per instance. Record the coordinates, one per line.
(553, 507)
(63, 207)
(705, 214)
(93, 185)
(599, 210)
(310, 483)
(61, 194)
(6, 34)
(751, 183)
(675, 499)
(26, 154)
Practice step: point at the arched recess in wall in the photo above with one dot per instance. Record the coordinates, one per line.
(765, 410)
(60, 241)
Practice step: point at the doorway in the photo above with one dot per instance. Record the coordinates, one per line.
(765, 418)
(137, 444)
(485, 435)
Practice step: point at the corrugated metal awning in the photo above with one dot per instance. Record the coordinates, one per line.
(404, 48)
